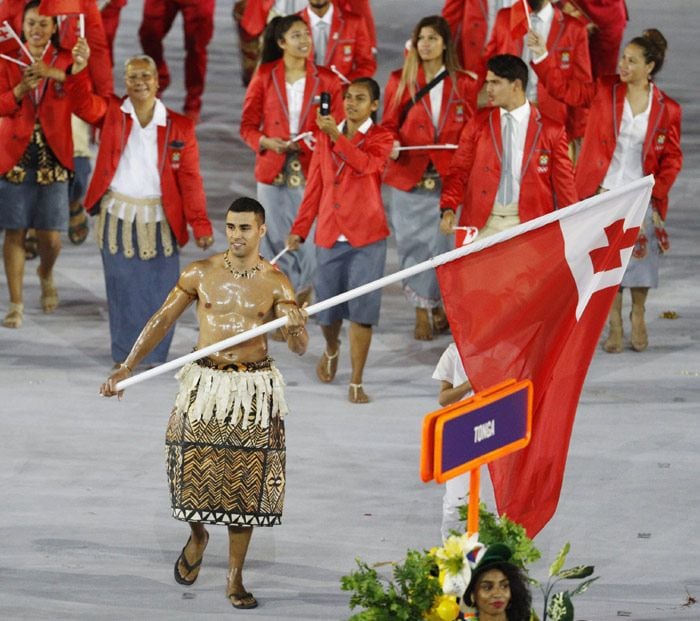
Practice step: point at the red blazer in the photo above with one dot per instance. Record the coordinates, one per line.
(256, 12)
(182, 190)
(468, 20)
(547, 178)
(265, 113)
(662, 155)
(458, 105)
(567, 43)
(17, 119)
(349, 46)
(343, 189)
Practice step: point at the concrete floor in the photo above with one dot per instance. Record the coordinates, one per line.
(85, 521)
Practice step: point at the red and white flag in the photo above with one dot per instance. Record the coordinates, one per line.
(531, 303)
(519, 19)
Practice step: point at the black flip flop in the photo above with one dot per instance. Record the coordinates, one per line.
(246, 600)
(188, 568)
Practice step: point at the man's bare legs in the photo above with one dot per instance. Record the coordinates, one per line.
(190, 560)
(238, 540)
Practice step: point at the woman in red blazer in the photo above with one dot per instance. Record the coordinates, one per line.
(636, 132)
(344, 198)
(36, 156)
(437, 117)
(279, 124)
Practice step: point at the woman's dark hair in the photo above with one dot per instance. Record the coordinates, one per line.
(34, 4)
(275, 31)
(520, 598)
(653, 45)
(375, 92)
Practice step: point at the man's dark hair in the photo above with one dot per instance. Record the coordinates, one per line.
(245, 204)
(509, 67)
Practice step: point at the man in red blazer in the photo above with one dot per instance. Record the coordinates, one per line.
(147, 189)
(347, 46)
(198, 24)
(343, 196)
(567, 40)
(471, 22)
(539, 179)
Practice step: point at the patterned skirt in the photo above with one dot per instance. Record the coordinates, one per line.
(225, 447)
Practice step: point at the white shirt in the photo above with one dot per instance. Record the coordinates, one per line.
(450, 369)
(315, 20)
(546, 16)
(137, 172)
(521, 118)
(287, 7)
(626, 163)
(436, 99)
(295, 101)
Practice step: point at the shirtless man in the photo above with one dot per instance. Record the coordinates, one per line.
(230, 400)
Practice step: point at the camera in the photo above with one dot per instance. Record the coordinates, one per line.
(325, 104)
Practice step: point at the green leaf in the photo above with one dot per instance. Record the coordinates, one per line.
(560, 607)
(580, 571)
(558, 563)
(583, 587)
(494, 529)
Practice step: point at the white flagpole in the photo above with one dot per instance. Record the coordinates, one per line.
(420, 147)
(527, 14)
(279, 255)
(81, 22)
(343, 79)
(644, 183)
(13, 60)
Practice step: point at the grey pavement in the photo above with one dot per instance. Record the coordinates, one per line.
(84, 519)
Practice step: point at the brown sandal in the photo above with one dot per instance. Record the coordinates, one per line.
(49, 294)
(14, 317)
(356, 394)
(327, 366)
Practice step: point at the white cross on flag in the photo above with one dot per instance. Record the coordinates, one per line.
(531, 303)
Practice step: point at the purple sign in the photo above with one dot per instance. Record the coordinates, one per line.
(479, 432)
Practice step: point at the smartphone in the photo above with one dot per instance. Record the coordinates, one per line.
(325, 104)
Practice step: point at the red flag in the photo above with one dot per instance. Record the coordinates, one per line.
(8, 43)
(60, 7)
(519, 19)
(531, 303)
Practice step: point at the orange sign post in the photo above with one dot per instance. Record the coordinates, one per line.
(464, 436)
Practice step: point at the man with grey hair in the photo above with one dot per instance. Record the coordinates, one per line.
(147, 189)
